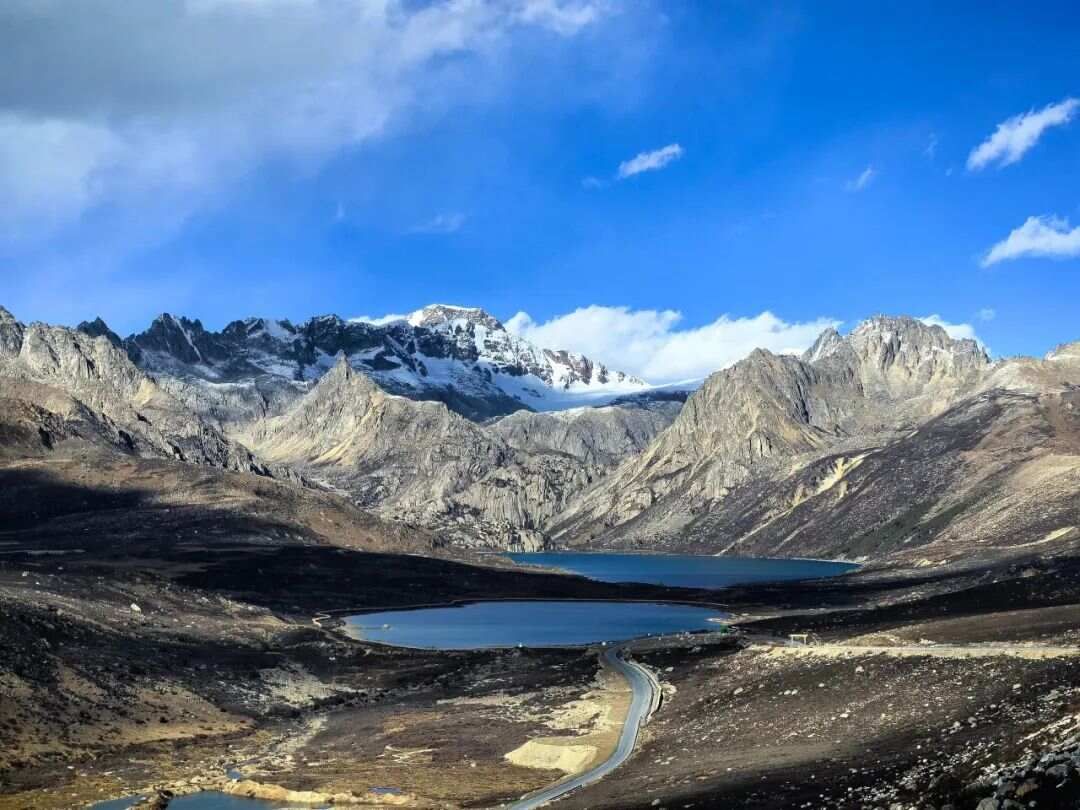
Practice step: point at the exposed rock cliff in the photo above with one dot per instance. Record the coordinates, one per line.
(891, 440)
(420, 462)
(769, 414)
(460, 356)
(93, 382)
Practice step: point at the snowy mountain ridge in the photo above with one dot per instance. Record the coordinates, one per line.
(461, 356)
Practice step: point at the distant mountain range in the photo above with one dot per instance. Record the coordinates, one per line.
(461, 356)
(891, 441)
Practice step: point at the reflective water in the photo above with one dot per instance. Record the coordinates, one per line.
(528, 624)
(683, 570)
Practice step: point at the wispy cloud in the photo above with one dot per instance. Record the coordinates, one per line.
(1039, 237)
(930, 150)
(1014, 137)
(987, 314)
(441, 223)
(379, 320)
(77, 135)
(566, 18)
(650, 344)
(957, 331)
(649, 161)
(865, 178)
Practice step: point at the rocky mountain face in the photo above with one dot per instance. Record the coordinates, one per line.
(460, 356)
(180, 392)
(420, 462)
(758, 415)
(60, 382)
(891, 441)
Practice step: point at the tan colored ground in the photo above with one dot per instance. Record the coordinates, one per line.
(597, 718)
(1030, 652)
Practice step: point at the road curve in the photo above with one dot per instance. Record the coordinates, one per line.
(645, 700)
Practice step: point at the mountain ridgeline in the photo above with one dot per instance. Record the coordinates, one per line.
(460, 356)
(891, 441)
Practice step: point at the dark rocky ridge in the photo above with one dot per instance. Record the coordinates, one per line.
(462, 357)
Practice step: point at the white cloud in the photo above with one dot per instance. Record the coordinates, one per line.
(562, 17)
(957, 331)
(649, 161)
(49, 168)
(865, 178)
(648, 342)
(1042, 237)
(930, 150)
(170, 103)
(987, 314)
(441, 223)
(1014, 137)
(380, 320)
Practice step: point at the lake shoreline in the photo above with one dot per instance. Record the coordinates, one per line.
(276, 690)
(531, 624)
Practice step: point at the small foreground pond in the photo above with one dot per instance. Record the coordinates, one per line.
(682, 570)
(480, 625)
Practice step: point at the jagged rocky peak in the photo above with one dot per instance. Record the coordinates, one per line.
(900, 356)
(910, 339)
(461, 356)
(436, 315)
(828, 343)
(98, 328)
(767, 410)
(181, 339)
(11, 334)
(343, 374)
(265, 328)
(1065, 353)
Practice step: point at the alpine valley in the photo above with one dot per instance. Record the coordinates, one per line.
(894, 439)
(176, 505)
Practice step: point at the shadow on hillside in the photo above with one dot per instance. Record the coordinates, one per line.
(267, 560)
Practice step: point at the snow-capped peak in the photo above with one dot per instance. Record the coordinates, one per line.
(435, 315)
(460, 355)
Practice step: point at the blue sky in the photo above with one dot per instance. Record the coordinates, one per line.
(220, 158)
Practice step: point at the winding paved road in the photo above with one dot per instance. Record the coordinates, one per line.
(645, 700)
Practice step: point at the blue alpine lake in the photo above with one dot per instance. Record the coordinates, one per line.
(682, 570)
(479, 625)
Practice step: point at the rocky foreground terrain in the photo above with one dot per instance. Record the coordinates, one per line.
(167, 537)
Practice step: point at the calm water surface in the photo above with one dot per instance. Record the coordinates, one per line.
(479, 625)
(683, 570)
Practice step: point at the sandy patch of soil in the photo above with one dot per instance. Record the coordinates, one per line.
(596, 720)
(564, 754)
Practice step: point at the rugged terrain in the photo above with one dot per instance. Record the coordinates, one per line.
(176, 509)
(496, 485)
(893, 441)
(460, 356)
(941, 689)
